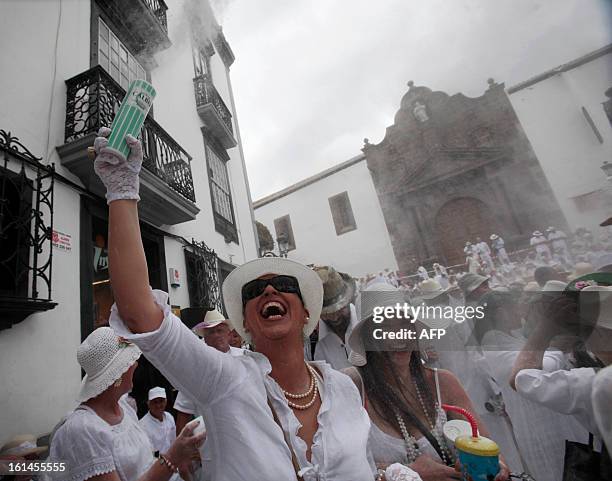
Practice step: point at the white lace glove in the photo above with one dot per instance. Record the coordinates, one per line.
(399, 472)
(120, 177)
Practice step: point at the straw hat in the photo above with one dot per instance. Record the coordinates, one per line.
(338, 289)
(531, 286)
(310, 283)
(22, 445)
(537, 233)
(104, 357)
(493, 236)
(554, 286)
(430, 289)
(470, 282)
(211, 319)
(581, 269)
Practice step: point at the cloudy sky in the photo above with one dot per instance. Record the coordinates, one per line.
(312, 78)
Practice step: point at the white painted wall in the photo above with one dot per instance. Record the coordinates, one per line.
(175, 110)
(39, 374)
(568, 150)
(359, 252)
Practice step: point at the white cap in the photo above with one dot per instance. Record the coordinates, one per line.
(156, 392)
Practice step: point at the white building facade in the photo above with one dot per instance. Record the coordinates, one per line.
(332, 218)
(562, 112)
(62, 80)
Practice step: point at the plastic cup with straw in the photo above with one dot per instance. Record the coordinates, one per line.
(479, 456)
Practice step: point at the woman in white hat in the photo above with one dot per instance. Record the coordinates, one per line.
(101, 439)
(272, 416)
(402, 397)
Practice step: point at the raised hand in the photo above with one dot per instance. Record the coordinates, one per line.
(119, 176)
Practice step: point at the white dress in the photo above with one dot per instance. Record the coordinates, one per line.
(90, 446)
(232, 393)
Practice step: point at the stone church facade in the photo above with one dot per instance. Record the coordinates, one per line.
(453, 168)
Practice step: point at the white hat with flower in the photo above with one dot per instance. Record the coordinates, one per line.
(104, 357)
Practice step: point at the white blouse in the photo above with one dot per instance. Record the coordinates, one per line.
(232, 395)
(90, 446)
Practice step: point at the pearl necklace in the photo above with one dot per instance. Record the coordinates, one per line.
(412, 447)
(314, 389)
(304, 394)
(434, 429)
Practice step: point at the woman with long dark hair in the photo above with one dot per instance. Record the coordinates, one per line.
(402, 396)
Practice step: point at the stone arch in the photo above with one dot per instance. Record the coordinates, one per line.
(460, 220)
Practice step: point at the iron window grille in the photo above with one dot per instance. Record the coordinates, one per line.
(26, 230)
(202, 276)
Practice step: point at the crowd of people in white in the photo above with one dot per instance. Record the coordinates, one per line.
(534, 371)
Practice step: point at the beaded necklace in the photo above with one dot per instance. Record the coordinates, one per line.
(313, 389)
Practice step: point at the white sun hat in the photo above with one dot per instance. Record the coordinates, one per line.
(310, 283)
(104, 357)
(211, 319)
(386, 295)
(156, 392)
(430, 289)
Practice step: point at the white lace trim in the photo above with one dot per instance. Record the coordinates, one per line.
(95, 468)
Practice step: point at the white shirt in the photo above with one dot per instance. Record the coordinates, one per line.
(232, 394)
(567, 392)
(540, 432)
(90, 446)
(183, 404)
(330, 347)
(161, 433)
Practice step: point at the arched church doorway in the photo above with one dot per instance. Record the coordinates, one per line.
(461, 220)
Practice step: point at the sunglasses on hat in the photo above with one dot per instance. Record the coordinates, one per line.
(256, 287)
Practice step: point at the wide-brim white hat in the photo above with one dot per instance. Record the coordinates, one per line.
(105, 358)
(430, 289)
(386, 295)
(310, 283)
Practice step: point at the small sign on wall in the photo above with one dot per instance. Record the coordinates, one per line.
(61, 241)
(175, 277)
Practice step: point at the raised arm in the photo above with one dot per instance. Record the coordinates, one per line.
(127, 262)
(128, 269)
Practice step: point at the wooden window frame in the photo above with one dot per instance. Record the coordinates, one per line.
(335, 202)
(288, 231)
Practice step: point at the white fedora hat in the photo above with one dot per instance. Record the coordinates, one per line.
(104, 357)
(310, 283)
(386, 295)
(211, 319)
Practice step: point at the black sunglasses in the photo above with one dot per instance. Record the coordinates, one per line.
(255, 288)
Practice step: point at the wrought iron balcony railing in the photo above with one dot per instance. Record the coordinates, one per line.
(93, 98)
(158, 8)
(213, 111)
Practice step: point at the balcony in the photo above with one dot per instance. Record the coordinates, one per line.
(166, 184)
(213, 111)
(143, 22)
